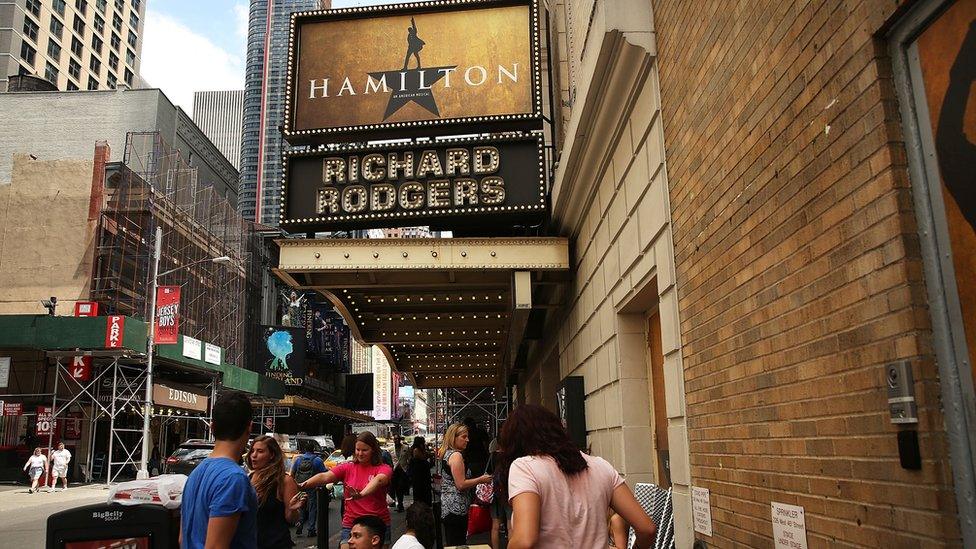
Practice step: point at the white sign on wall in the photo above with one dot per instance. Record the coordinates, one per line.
(701, 510)
(191, 348)
(211, 353)
(789, 526)
(4, 371)
(382, 393)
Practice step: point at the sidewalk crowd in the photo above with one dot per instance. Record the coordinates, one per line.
(531, 487)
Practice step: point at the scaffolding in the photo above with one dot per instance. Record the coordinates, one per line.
(453, 405)
(155, 187)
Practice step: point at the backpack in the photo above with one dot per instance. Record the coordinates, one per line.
(305, 470)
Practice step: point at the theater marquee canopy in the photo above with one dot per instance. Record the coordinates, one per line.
(403, 70)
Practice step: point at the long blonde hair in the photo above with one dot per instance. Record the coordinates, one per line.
(272, 476)
(454, 431)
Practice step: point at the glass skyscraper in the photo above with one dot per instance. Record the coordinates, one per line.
(264, 105)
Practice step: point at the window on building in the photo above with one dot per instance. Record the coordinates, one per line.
(132, 38)
(30, 29)
(113, 61)
(92, 83)
(58, 7)
(74, 68)
(27, 53)
(99, 23)
(57, 27)
(81, 6)
(51, 73)
(128, 77)
(119, 5)
(97, 44)
(116, 42)
(133, 20)
(34, 6)
(136, 4)
(72, 86)
(24, 70)
(130, 58)
(76, 46)
(54, 50)
(101, 5)
(79, 25)
(95, 65)
(117, 22)
(112, 81)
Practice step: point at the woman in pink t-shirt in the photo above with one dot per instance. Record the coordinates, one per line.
(365, 481)
(559, 495)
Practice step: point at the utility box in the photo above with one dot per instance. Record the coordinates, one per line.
(113, 526)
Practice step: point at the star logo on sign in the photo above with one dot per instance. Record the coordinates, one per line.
(412, 85)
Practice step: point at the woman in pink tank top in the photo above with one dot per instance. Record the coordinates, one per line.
(559, 495)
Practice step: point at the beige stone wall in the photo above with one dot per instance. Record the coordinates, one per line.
(46, 241)
(610, 194)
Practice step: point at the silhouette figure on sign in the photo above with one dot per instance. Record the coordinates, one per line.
(414, 45)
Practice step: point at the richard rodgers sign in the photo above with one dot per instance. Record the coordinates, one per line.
(401, 69)
(459, 182)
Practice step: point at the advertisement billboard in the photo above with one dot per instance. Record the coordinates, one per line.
(327, 337)
(407, 69)
(382, 391)
(281, 354)
(167, 329)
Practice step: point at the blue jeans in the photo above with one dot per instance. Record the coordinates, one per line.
(310, 512)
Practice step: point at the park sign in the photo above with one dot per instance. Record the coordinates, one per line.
(466, 182)
(442, 66)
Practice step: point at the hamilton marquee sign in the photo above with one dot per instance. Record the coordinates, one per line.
(440, 183)
(405, 69)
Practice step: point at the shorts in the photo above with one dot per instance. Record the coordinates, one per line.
(346, 532)
(35, 472)
(59, 472)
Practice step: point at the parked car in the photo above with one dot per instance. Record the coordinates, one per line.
(335, 458)
(187, 456)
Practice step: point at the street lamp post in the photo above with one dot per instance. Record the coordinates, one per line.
(151, 344)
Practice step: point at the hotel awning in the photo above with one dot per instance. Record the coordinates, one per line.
(449, 312)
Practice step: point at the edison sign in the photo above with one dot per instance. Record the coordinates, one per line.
(461, 182)
(402, 69)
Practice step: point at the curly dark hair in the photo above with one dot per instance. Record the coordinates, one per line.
(532, 430)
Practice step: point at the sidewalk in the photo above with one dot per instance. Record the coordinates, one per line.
(17, 497)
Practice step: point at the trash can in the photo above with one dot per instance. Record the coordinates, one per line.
(113, 526)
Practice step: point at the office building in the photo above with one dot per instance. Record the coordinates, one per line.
(264, 105)
(74, 44)
(61, 126)
(218, 115)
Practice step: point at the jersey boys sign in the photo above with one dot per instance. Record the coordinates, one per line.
(402, 68)
(462, 181)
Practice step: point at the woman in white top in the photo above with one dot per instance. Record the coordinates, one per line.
(36, 466)
(420, 528)
(559, 495)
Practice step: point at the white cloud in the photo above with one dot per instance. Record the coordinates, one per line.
(242, 15)
(179, 61)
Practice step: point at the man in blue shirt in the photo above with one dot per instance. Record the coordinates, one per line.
(220, 506)
(305, 467)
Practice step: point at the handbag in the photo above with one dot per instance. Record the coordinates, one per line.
(484, 493)
(479, 520)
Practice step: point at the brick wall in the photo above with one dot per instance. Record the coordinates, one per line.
(798, 272)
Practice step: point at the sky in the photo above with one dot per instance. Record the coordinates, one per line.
(200, 45)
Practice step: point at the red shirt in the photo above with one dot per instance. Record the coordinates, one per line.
(356, 475)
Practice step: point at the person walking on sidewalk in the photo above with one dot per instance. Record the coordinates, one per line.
(279, 500)
(419, 471)
(401, 479)
(36, 466)
(305, 467)
(456, 487)
(560, 495)
(60, 459)
(220, 506)
(365, 480)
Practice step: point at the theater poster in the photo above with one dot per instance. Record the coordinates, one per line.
(281, 354)
(327, 337)
(946, 58)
